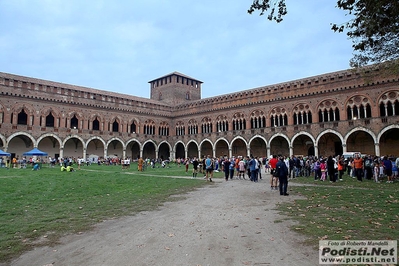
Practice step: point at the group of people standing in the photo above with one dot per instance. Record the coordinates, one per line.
(373, 168)
(360, 167)
(283, 168)
(241, 166)
(330, 167)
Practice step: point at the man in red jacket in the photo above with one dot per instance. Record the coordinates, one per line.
(273, 180)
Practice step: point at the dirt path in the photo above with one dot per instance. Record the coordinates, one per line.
(228, 223)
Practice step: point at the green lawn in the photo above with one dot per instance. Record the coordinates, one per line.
(346, 209)
(47, 204)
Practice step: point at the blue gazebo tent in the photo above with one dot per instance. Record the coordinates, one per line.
(3, 153)
(35, 152)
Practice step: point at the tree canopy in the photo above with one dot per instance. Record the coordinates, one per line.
(374, 28)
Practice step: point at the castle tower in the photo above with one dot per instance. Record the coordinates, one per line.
(175, 88)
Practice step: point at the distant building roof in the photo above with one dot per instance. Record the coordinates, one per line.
(175, 74)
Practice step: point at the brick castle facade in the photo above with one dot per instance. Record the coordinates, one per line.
(321, 115)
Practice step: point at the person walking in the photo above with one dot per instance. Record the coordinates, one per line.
(368, 167)
(358, 165)
(323, 169)
(259, 168)
(256, 163)
(282, 171)
(140, 164)
(226, 168)
(291, 162)
(187, 163)
(247, 168)
(317, 170)
(394, 170)
(232, 168)
(331, 168)
(252, 168)
(341, 167)
(388, 169)
(237, 167)
(241, 165)
(376, 172)
(204, 166)
(209, 168)
(273, 179)
(195, 167)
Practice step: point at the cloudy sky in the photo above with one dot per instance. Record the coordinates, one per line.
(121, 45)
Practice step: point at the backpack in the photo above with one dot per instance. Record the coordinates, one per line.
(276, 172)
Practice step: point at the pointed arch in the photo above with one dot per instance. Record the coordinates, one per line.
(278, 117)
(258, 119)
(302, 114)
(328, 111)
(389, 103)
(222, 123)
(358, 107)
(206, 125)
(163, 129)
(239, 122)
(149, 127)
(192, 127)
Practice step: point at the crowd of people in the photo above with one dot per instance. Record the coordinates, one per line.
(283, 168)
(331, 168)
(241, 167)
(21, 163)
(142, 164)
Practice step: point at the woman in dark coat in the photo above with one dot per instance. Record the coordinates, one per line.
(331, 168)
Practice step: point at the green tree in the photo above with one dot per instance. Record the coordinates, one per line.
(373, 29)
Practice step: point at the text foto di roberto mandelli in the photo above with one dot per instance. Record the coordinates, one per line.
(358, 243)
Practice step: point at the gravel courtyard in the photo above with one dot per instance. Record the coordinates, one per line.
(226, 223)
